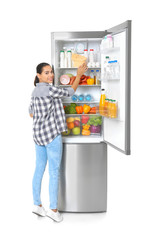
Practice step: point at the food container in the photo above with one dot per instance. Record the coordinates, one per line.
(64, 79)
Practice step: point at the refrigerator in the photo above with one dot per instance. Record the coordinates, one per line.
(83, 171)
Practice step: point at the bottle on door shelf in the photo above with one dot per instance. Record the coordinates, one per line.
(114, 109)
(109, 108)
(102, 102)
(109, 41)
(116, 69)
(106, 68)
(106, 107)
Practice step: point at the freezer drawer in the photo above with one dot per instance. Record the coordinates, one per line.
(83, 178)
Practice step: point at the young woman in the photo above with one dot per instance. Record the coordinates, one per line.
(49, 121)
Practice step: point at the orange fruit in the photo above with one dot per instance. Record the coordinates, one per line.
(70, 125)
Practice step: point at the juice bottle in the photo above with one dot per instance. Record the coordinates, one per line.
(102, 102)
(106, 108)
(109, 107)
(114, 109)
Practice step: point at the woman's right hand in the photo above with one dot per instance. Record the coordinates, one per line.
(82, 69)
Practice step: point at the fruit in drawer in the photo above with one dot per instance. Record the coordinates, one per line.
(76, 123)
(84, 119)
(85, 132)
(70, 119)
(77, 118)
(70, 125)
(66, 133)
(76, 130)
(86, 126)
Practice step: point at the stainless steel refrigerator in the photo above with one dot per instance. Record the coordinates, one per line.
(83, 173)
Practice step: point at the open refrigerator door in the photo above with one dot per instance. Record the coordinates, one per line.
(115, 79)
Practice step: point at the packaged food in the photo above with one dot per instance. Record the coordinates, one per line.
(78, 59)
(64, 79)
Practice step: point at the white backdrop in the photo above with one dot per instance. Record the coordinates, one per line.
(24, 43)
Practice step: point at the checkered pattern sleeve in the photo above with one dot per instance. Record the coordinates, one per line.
(56, 92)
(31, 106)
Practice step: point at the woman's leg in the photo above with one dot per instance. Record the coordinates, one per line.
(54, 154)
(41, 161)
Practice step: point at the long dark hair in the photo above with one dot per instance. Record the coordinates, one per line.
(39, 70)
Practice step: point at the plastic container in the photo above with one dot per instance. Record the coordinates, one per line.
(106, 108)
(114, 109)
(91, 56)
(61, 59)
(116, 69)
(106, 68)
(74, 98)
(102, 102)
(69, 60)
(65, 57)
(103, 43)
(97, 77)
(86, 54)
(109, 41)
(92, 75)
(111, 70)
(81, 98)
(109, 108)
(88, 98)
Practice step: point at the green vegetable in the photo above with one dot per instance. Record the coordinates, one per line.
(73, 104)
(70, 109)
(95, 121)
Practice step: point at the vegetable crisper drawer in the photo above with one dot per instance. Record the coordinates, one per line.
(84, 125)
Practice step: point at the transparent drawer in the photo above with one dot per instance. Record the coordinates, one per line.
(83, 125)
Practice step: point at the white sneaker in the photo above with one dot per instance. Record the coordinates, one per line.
(56, 216)
(40, 211)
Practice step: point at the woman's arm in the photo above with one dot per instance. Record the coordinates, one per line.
(80, 71)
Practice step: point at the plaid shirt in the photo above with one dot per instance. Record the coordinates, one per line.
(48, 112)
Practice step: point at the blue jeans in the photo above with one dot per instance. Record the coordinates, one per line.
(52, 152)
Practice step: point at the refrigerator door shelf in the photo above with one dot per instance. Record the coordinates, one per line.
(109, 50)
